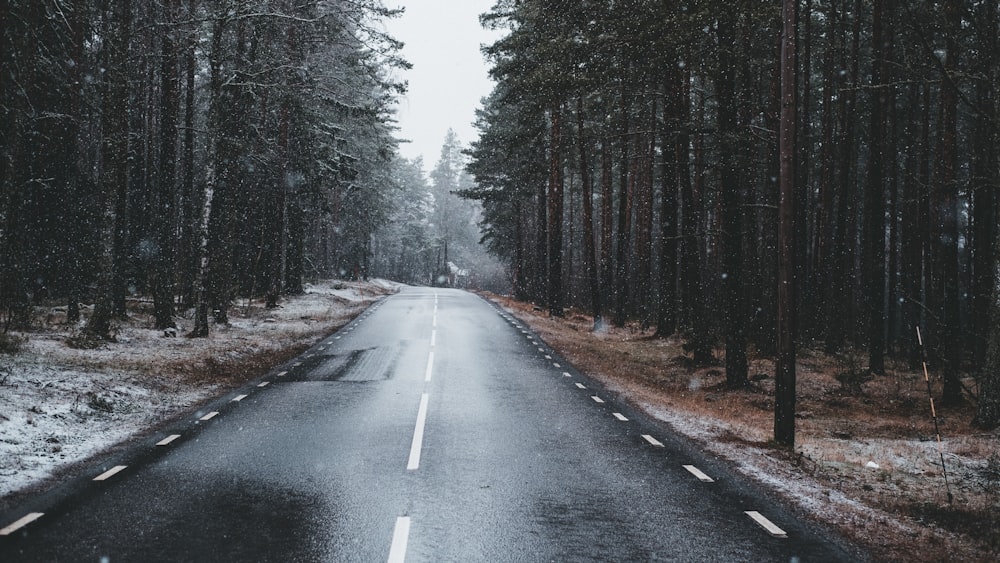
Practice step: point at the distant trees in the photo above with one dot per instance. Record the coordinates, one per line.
(674, 111)
(191, 151)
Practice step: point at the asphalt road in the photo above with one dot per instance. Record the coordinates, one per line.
(433, 428)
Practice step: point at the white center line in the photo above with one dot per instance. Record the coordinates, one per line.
(168, 439)
(557, 365)
(766, 524)
(619, 416)
(434, 334)
(209, 416)
(239, 398)
(283, 374)
(698, 473)
(597, 399)
(581, 385)
(418, 435)
(400, 535)
(21, 522)
(263, 384)
(652, 440)
(109, 473)
(430, 366)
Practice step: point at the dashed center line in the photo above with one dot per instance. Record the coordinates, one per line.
(239, 398)
(418, 435)
(434, 334)
(209, 416)
(581, 385)
(698, 473)
(430, 366)
(283, 374)
(168, 439)
(110, 473)
(400, 536)
(20, 523)
(619, 416)
(263, 384)
(597, 399)
(652, 440)
(766, 524)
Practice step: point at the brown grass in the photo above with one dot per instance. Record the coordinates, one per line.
(899, 512)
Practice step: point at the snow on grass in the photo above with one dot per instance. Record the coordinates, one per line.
(60, 405)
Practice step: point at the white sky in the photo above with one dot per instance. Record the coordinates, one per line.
(449, 75)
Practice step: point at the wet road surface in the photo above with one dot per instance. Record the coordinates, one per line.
(433, 428)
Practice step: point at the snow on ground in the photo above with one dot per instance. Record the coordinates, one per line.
(60, 405)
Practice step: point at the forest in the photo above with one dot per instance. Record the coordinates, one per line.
(631, 163)
(194, 152)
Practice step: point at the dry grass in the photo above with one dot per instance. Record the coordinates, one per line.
(899, 510)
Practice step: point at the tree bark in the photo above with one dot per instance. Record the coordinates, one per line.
(555, 215)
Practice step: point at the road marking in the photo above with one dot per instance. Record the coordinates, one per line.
(21, 522)
(430, 366)
(557, 365)
(581, 385)
(336, 338)
(534, 342)
(547, 357)
(418, 435)
(528, 337)
(652, 440)
(263, 384)
(766, 524)
(239, 398)
(597, 399)
(400, 535)
(697, 473)
(434, 322)
(209, 416)
(567, 374)
(619, 416)
(283, 374)
(110, 473)
(296, 364)
(168, 439)
(434, 334)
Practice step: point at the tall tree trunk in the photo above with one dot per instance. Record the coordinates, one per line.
(589, 246)
(165, 216)
(945, 219)
(623, 239)
(874, 250)
(555, 215)
(666, 322)
(784, 377)
(607, 218)
(730, 203)
(114, 156)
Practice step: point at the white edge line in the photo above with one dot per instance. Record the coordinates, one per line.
(21, 522)
(263, 384)
(434, 334)
(581, 385)
(557, 365)
(168, 439)
(699, 474)
(283, 374)
(418, 435)
(239, 398)
(619, 416)
(400, 535)
(766, 524)
(597, 399)
(209, 416)
(652, 440)
(110, 473)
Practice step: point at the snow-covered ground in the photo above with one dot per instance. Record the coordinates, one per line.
(60, 405)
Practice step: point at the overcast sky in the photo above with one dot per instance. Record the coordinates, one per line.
(449, 76)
